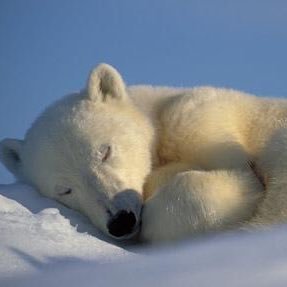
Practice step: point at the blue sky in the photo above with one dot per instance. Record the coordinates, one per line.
(48, 47)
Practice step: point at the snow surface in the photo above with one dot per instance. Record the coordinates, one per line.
(43, 243)
(37, 233)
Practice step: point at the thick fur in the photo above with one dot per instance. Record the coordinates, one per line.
(202, 159)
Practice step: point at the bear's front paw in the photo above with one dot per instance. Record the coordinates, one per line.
(173, 212)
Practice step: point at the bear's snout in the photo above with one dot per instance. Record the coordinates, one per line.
(123, 223)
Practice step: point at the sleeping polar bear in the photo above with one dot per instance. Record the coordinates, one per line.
(179, 161)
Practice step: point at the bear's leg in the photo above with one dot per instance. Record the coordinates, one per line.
(273, 164)
(197, 201)
(160, 176)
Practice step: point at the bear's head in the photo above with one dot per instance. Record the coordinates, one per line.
(91, 151)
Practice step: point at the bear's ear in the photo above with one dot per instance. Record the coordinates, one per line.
(10, 154)
(105, 82)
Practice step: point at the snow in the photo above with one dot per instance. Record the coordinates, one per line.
(43, 243)
(37, 233)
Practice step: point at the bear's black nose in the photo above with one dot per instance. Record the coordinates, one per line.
(122, 223)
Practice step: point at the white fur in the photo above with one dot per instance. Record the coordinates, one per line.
(186, 152)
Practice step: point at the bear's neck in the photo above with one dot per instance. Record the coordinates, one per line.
(151, 101)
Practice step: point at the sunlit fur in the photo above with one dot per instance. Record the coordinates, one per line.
(202, 159)
(207, 141)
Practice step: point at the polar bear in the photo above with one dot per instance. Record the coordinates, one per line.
(165, 163)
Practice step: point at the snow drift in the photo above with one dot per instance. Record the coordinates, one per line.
(42, 243)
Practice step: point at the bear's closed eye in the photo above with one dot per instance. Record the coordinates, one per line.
(63, 190)
(68, 191)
